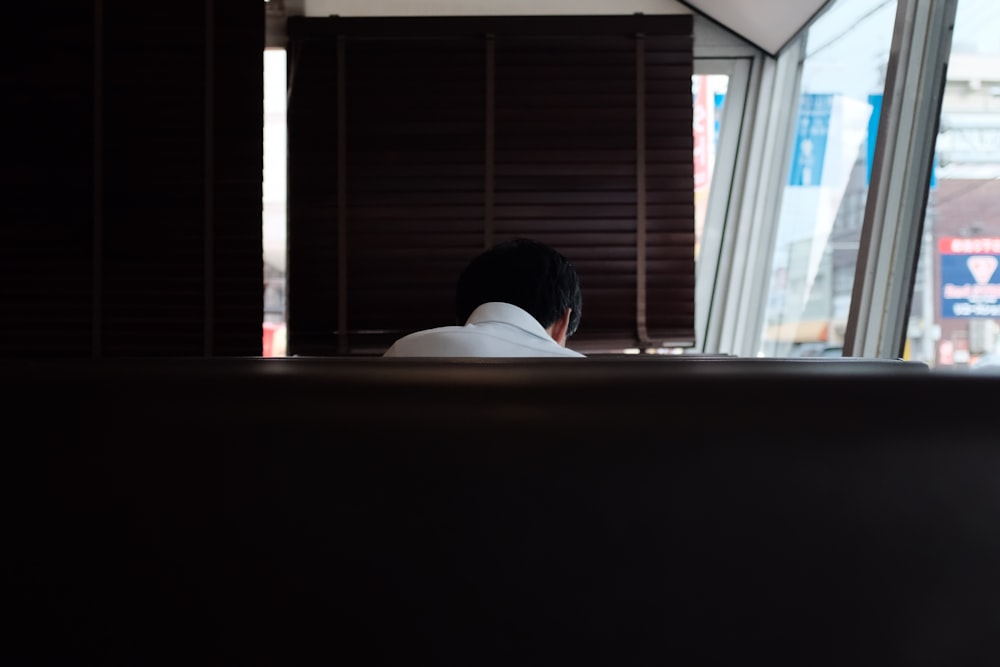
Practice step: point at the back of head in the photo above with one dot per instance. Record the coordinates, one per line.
(525, 273)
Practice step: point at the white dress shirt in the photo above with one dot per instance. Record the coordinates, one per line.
(494, 329)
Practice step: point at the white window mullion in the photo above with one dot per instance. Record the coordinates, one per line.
(735, 311)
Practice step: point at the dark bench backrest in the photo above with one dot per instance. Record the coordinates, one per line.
(316, 511)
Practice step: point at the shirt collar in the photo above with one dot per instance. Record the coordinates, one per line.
(507, 313)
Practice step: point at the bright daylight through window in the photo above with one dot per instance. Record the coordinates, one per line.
(958, 308)
(954, 319)
(823, 206)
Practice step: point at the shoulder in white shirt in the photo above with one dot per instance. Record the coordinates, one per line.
(494, 329)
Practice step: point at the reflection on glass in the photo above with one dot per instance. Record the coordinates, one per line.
(708, 92)
(823, 203)
(955, 311)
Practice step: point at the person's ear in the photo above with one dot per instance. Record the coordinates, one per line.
(560, 327)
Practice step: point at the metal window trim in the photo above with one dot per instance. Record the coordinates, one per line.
(641, 331)
(343, 340)
(901, 168)
(710, 254)
(735, 310)
(208, 186)
(97, 188)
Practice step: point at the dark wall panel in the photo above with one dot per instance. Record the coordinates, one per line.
(46, 183)
(132, 199)
(153, 171)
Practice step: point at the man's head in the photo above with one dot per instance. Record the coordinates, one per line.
(527, 274)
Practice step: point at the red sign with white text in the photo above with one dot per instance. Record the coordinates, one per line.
(970, 277)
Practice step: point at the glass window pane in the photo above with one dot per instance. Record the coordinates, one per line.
(274, 203)
(954, 319)
(708, 92)
(823, 204)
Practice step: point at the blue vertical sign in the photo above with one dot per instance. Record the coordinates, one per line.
(876, 102)
(810, 139)
(873, 120)
(720, 99)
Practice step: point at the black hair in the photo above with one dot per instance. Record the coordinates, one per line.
(525, 273)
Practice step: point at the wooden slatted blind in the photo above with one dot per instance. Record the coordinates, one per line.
(416, 143)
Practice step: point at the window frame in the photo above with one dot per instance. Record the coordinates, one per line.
(752, 158)
(900, 179)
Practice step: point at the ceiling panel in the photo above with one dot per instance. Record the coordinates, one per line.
(767, 24)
